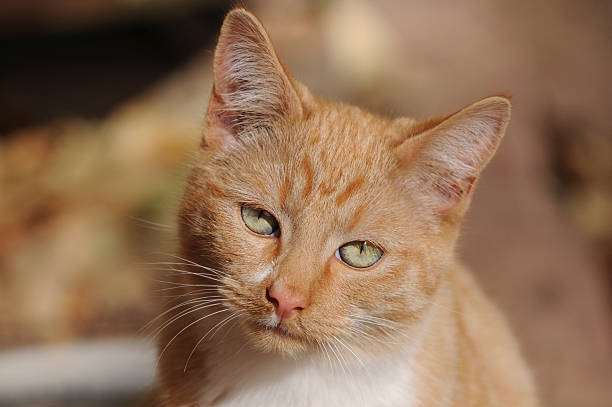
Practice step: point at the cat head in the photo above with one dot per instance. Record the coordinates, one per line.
(321, 222)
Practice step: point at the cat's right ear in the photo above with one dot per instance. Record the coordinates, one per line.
(251, 87)
(445, 156)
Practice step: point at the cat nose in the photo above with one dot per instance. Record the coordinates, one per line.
(285, 300)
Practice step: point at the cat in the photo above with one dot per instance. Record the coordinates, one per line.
(317, 260)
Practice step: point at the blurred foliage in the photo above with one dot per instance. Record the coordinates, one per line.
(80, 206)
(85, 200)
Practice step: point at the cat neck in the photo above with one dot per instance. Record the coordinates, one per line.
(249, 377)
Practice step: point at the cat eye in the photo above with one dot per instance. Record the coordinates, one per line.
(359, 254)
(259, 220)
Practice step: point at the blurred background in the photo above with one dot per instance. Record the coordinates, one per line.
(101, 109)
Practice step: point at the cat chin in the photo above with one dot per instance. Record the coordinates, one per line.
(276, 340)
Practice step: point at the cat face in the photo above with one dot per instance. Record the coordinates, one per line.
(326, 181)
(322, 224)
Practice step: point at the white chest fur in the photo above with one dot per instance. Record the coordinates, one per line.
(251, 379)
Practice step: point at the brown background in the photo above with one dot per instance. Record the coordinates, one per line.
(101, 106)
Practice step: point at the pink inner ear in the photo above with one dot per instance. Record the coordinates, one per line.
(455, 189)
(217, 109)
(220, 131)
(251, 87)
(447, 159)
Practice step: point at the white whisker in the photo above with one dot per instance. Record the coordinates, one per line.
(207, 276)
(200, 291)
(350, 350)
(194, 308)
(159, 227)
(193, 263)
(185, 303)
(218, 325)
(187, 327)
(335, 353)
(322, 346)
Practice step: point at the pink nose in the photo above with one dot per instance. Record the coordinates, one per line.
(285, 300)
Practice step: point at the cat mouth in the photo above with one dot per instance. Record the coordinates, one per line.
(278, 330)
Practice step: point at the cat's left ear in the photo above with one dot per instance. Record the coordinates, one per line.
(251, 87)
(445, 156)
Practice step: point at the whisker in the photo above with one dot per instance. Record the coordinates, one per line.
(183, 271)
(331, 348)
(238, 313)
(335, 343)
(219, 325)
(218, 278)
(384, 328)
(194, 292)
(184, 303)
(159, 227)
(360, 332)
(437, 304)
(172, 268)
(179, 285)
(322, 346)
(187, 327)
(207, 287)
(379, 324)
(377, 321)
(193, 263)
(194, 308)
(350, 350)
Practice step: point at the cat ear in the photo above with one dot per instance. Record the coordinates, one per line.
(251, 87)
(446, 155)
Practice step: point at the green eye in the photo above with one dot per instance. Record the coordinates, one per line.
(259, 221)
(359, 254)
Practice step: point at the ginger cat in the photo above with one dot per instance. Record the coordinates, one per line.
(317, 263)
